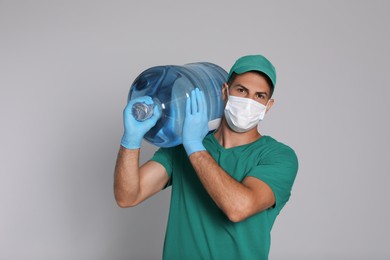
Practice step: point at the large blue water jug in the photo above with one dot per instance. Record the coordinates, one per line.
(169, 87)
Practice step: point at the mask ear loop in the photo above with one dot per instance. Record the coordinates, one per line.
(267, 105)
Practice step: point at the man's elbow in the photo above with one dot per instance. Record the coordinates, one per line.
(243, 211)
(236, 216)
(238, 213)
(125, 203)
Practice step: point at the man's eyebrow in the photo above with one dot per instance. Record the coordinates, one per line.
(239, 85)
(259, 92)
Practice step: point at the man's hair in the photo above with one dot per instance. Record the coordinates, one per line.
(267, 79)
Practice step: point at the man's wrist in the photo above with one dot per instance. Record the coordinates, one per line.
(192, 147)
(130, 143)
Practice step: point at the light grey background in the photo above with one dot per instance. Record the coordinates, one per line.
(65, 71)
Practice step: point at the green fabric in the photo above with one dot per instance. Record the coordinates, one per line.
(256, 63)
(197, 228)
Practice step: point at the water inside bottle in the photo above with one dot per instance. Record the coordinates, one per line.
(169, 87)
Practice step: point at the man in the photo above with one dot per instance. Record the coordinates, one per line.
(227, 186)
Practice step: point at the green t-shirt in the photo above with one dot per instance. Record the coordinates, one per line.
(197, 228)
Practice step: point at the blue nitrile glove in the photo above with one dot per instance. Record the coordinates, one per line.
(195, 126)
(135, 130)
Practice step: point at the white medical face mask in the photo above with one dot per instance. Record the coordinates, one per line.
(243, 114)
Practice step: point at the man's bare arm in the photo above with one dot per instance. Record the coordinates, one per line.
(237, 200)
(134, 184)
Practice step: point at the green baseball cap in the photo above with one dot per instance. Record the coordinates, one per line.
(256, 63)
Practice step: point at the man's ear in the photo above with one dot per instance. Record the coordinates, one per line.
(225, 91)
(269, 105)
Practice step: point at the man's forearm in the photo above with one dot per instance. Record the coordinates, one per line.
(126, 177)
(231, 196)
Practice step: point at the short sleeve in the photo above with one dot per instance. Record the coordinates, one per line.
(164, 156)
(278, 170)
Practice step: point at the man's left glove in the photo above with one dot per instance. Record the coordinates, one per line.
(135, 130)
(195, 126)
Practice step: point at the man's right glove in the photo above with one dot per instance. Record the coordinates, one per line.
(134, 129)
(195, 126)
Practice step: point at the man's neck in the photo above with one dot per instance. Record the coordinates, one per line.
(229, 138)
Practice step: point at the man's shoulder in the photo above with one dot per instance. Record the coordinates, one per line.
(169, 152)
(271, 141)
(277, 147)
